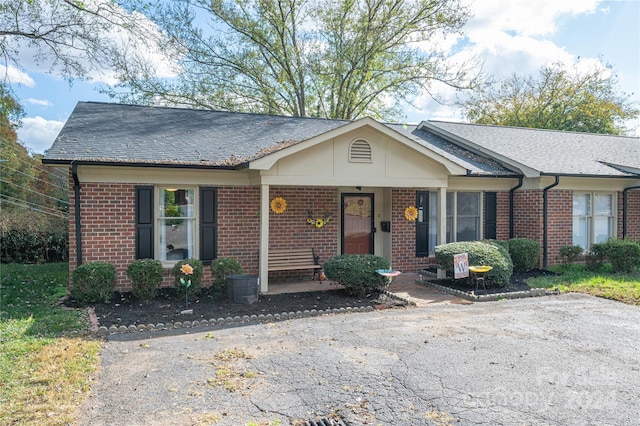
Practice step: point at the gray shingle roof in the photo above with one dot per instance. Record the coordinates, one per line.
(115, 133)
(554, 152)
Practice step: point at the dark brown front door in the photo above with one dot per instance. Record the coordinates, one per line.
(357, 223)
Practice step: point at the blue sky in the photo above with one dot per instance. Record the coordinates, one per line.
(510, 36)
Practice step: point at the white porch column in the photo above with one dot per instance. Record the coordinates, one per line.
(264, 238)
(442, 223)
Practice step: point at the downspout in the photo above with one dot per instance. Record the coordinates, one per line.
(76, 203)
(511, 208)
(544, 220)
(624, 209)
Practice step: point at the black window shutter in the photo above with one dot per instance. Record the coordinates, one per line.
(422, 226)
(491, 216)
(144, 222)
(208, 225)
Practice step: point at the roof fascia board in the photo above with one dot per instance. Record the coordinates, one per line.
(57, 162)
(465, 143)
(266, 162)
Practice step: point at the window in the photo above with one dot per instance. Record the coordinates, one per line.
(427, 223)
(593, 215)
(463, 216)
(178, 225)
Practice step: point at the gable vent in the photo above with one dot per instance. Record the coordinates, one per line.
(360, 152)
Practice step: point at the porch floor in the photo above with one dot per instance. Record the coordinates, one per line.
(404, 286)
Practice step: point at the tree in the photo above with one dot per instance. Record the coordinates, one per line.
(335, 59)
(558, 99)
(71, 37)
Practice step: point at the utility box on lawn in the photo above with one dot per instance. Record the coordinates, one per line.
(243, 288)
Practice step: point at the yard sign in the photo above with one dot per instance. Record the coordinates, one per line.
(460, 265)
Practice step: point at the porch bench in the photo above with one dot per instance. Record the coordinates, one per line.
(292, 259)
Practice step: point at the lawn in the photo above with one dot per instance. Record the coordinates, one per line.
(575, 278)
(45, 364)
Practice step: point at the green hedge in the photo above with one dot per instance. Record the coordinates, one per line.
(145, 276)
(480, 253)
(624, 255)
(525, 253)
(93, 282)
(357, 272)
(27, 246)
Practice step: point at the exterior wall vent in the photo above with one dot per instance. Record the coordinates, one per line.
(360, 152)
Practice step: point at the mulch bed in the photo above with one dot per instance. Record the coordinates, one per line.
(517, 283)
(125, 309)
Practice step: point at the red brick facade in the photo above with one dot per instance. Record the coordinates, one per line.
(108, 228)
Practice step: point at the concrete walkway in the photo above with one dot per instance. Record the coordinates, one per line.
(405, 286)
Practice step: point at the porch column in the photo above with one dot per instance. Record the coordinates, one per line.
(264, 238)
(442, 224)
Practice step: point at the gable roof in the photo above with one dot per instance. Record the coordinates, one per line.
(106, 133)
(546, 152)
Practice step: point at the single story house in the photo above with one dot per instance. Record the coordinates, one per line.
(170, 183)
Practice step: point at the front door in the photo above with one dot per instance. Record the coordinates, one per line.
(357, 223)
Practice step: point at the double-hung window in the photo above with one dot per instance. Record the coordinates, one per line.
(463, 216)
(593, 218)
(176, 223)
(176, 217)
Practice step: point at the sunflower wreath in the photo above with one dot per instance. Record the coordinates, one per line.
(278, 205)
(411, 213)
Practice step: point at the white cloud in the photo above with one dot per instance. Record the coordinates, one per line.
(39, 102)
(15, 76)
(37, 133)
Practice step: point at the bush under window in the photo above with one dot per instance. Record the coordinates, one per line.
(480, 253)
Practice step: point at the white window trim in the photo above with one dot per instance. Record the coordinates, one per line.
(157, 218)
(454, 211)
(591, 237)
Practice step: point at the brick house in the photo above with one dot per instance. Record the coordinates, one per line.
(171, 183)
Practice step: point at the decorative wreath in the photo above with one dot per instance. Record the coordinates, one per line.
(278, 205)
(411, 213)
(319, 222)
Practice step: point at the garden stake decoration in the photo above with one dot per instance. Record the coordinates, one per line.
(186, 282)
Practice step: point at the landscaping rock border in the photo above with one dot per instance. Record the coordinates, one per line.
(245, 319)
(534, 292)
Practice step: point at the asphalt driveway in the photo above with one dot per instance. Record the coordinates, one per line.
(556, 360)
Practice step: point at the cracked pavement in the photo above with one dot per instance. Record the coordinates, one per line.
(557, 360)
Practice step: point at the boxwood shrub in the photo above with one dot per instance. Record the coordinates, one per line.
(357, 272)
(623, 254)
(145, 276)
(196, 277)
(480, 253)
(525, 253)
(220, 269)
(570, 254)
(93, 282)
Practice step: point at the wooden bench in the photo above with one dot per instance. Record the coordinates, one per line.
(290, 259)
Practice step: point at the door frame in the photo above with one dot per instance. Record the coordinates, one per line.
(372, 234)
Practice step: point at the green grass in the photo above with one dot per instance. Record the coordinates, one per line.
(45, 366)
(575, 278)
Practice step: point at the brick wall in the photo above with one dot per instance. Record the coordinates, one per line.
(291, 230)
(107, 214)
(633, 215)
(502, 231)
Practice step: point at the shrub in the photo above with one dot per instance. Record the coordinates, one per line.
(30, 237)
(480, 253)
(596, 257)
(357, 272)
(569, 254)
(196, 277)
(93, 282)
(145, 276)
(221, 268)
(525, 253)
(624, 255)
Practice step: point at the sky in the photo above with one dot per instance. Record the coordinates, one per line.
(509, 36)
